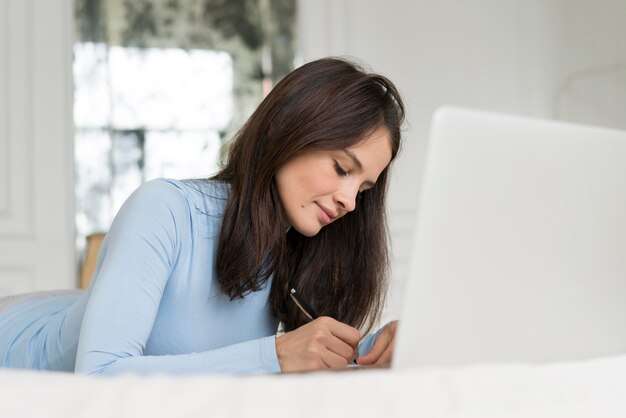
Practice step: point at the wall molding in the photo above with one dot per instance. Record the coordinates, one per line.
(36, 140)
(17, 216)
(4, 108)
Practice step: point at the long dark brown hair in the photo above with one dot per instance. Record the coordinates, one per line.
(327, 104)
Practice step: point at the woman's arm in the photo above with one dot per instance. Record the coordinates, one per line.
(141, 250)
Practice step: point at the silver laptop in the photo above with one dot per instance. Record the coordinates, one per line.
(520, 246)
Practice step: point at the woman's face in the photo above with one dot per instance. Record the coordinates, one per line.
(320, 186)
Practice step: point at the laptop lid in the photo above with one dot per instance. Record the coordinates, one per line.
(520, 245)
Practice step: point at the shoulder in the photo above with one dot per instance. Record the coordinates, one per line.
(204, 200)
(155, 198)
(178, 203)
(205, 196)
(195, 193)
(160, 189)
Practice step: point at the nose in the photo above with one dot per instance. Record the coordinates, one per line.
(345, 198)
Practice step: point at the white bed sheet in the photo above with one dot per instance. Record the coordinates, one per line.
(593, 388)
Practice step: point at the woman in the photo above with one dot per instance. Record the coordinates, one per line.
(195, 275)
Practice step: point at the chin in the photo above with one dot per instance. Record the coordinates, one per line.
(307, 231)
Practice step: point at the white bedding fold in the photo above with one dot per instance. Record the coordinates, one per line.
(593, 388)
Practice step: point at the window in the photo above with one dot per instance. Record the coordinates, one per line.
(161, 85)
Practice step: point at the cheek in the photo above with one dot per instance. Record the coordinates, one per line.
(292, 188)
(306, 183)
(302, 182)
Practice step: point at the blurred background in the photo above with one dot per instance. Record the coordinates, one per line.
(99, 96)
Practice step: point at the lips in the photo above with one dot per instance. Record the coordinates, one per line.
(327, 215)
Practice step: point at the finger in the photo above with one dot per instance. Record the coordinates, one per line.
(321, 332)
(334, 361)
(387, 355)
(340, 330)
(340, 348)
(384, 343)
(379, 347)
(386, 337)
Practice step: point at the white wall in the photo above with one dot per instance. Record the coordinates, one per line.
(36, 154)
(591, 62)
(548, 58)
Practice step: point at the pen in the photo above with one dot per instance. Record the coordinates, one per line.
(306, 309)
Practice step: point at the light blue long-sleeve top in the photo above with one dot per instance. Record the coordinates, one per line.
(154, 304)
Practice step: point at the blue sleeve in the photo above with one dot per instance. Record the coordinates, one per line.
(368, 342)
(135, 263)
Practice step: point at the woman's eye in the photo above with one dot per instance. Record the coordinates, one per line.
(340, 170)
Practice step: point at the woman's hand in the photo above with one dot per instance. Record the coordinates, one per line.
(320, 344)
(382, 350)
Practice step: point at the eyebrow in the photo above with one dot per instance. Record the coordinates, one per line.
(358, 164)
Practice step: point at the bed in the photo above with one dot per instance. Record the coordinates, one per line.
(590, 388)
